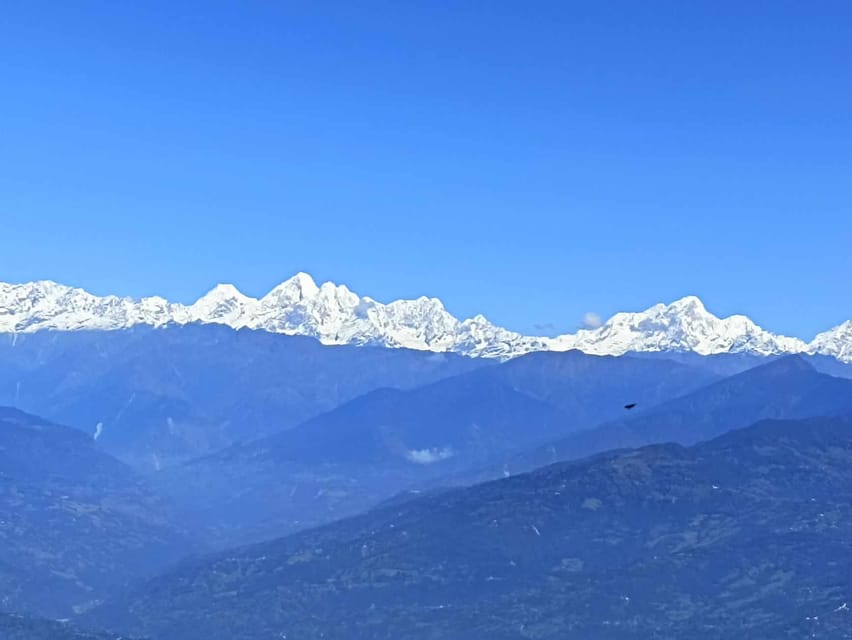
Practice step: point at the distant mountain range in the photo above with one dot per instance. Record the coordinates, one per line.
(333, 314)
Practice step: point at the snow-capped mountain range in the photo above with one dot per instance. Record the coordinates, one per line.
(335, 315)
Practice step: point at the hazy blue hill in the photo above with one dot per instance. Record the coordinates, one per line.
(722, 364)
(472, 416)
(168, 394)
(787, 387)
(75, 524)
(728, 364)
(748, 535)
(349, 459)
(478, 415)
(595, 388)
(831, 366)
(365, 451)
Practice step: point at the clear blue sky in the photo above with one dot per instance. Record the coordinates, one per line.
(530, 161)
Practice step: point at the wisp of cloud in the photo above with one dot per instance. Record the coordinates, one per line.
(429, 456)
(591, 320)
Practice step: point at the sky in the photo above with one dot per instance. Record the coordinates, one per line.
(539, 163)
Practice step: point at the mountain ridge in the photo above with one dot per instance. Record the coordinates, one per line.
(786, 388)
(334, 315)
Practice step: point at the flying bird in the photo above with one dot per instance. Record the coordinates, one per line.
(630, 406)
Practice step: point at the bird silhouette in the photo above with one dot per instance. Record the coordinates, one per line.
(630, 406)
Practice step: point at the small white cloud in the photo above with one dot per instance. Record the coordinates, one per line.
(591, 320)
(429, 456)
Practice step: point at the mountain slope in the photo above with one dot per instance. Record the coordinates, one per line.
(75, 524)
(744, 536)
(366, 450)
(595, 388)
(786, 388)
(486, 411)
(335, 315)
(157, 396)
(347, 460)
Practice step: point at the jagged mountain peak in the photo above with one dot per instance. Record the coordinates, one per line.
(692, 304)
(334, 314)
(836, 342)
(223, 303)
(297, 288)
(683, 325)
(224, 291)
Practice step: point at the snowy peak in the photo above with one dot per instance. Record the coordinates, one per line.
(223, 303)
(300, 287)
(333, 314)
(48, 305)
(836, 342)
(684, 325)
(223, 292)
(688, 304)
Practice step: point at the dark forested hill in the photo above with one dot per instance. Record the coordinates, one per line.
(75, 524)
